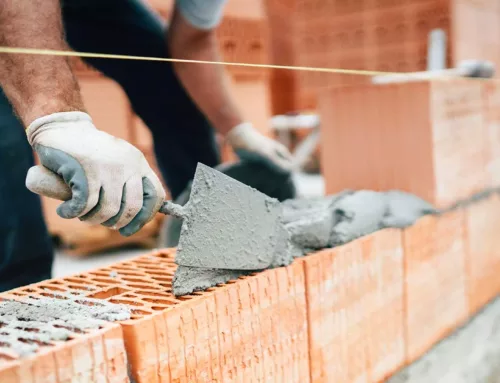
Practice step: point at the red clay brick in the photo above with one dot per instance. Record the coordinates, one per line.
(428, 138)
(483, 251)
(355, 313)
(492, 118)
(435, 287)
(375, 35)
(91, 357)
(244, 40)
(355, 309)
(252, 329)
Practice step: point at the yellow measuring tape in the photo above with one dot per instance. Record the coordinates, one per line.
(33, 51)
(53, 52)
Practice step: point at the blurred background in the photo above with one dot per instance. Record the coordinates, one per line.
(291, 105)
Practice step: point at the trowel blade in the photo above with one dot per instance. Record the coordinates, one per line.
(227, 224)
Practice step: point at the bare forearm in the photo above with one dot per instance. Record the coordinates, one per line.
(36, 85)
(207, 84)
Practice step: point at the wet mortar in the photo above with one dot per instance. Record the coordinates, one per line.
(305, 225)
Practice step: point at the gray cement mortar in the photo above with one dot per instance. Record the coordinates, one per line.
(190, 279)
(312, 224)
(228, 225)
(27, 324)
(470, 355)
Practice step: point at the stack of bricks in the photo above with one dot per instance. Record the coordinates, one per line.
(437, 139)
(440, 141)
(373, 35)
(244, 38)
(253, 329)
(355, 313)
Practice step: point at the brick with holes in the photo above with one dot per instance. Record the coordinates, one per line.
(380, 35)
(57, 349)
(251, 328)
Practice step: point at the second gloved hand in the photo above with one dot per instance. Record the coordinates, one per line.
(111, 181)
(250, 144)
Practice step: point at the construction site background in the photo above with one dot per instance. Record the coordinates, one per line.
(387, 305)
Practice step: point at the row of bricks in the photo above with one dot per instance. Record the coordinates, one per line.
(437, 139)
(356, 313)
(346, 7)
(382, 301)
(401, 58)
(394, 26)
(391, 39)
(242, 34)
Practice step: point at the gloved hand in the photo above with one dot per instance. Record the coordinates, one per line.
(111, 181)
(249, 144)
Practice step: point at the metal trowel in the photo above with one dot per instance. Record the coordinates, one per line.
(226, 224)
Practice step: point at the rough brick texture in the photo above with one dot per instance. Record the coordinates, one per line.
(254, 328)
(355, 308)
(95, 356)
(382, 35)
(355, 313)
(435, 288)
(491, 93)
(483, 246)
(427, 138)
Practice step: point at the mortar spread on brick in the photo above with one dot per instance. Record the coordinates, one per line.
(189, 279)
(312, 224)
(27, 324)
(227, 225)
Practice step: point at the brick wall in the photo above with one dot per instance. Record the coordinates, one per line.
(436, 139)
(377, 35)
(355, 313)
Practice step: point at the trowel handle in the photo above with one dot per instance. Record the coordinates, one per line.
(43, 181)
(172, 209)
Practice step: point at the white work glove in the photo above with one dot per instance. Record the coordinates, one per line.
(111, 181)
(251, 145)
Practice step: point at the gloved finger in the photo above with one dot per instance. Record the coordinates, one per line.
(113, 220)
(82, 200)
(153, 197)
(107, 206)
(132, 202)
